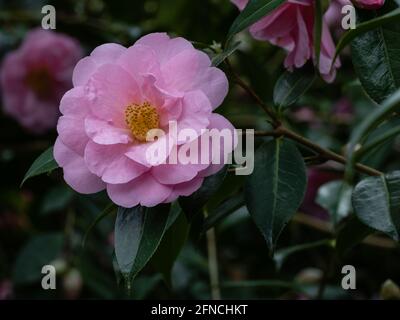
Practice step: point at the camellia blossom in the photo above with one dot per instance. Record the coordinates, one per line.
(369, 4)
(333, 15)
(34, 78)
(120, 94)
(290, 27)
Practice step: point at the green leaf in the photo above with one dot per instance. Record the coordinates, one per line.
(39, 251)
(170, 247)
(291, 86)
(193, 204)
(318, 31)
(108, 210)
(138, 232)
(376, 202)
(375, 118)
(222, 211)
(351, 233)
(254, 11)
(335, 197)
(363, 28)
(43, 164)
(281, 255)
(378, 141)
(376, 55)
(219, 58)
(56, 199)
(276, 187)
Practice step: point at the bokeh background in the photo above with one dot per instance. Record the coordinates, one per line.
(45, 221)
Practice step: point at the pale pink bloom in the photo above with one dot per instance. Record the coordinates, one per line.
(290, 27)
(369, 4)
(35, 76)
(101, 143)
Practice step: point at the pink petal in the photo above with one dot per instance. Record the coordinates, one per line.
(106, 53)
(164, 47)
(140, 152)
(72, 132)
(144, 190)
(185, 189)
(110, 90)
(180, 70)
(74, 103)
(213, 82)
(110, 163)
(76, 173)
(140, 60)
(196, 110)
(103, 132)
(83, 71)
(176, 173)
(220, 123)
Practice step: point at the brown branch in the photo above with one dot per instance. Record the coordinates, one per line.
(275, 121)
(280, 130)
(326, 153)
(327, 227)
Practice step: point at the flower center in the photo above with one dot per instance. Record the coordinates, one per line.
(40, 81)
(141, 118)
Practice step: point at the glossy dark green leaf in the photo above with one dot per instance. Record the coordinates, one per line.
(138, 232)
(376, 55)
(376, 202)
(39, 251)
(335, 197)
(56, 199)
(43, 164)
(351, 233)
(222, 211)
(375, 118)
(364, 27)
(254, 11)
(291, 86)
(275, 189)
(193, 204)
(108, 210)
(170, 247)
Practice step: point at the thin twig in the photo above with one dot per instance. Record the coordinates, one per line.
(280, 130)
(322, 152)
(213, 262)
(275, 121)
(327, 227)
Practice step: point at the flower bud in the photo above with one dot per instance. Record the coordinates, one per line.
(390, 291)
(369, 4)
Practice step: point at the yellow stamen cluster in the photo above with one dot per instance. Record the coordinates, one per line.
(140, 119)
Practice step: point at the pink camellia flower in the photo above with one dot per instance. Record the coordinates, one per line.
(34, 77)
(369, 4)
(120, 94)
(333, 15)
(290, 26)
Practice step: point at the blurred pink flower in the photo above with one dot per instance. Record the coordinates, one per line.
(333, 16)
(34, 77)
(6, 289)
(119, 94)
(290, 27)
(369, 4)
(316, 178)
(343, 110)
